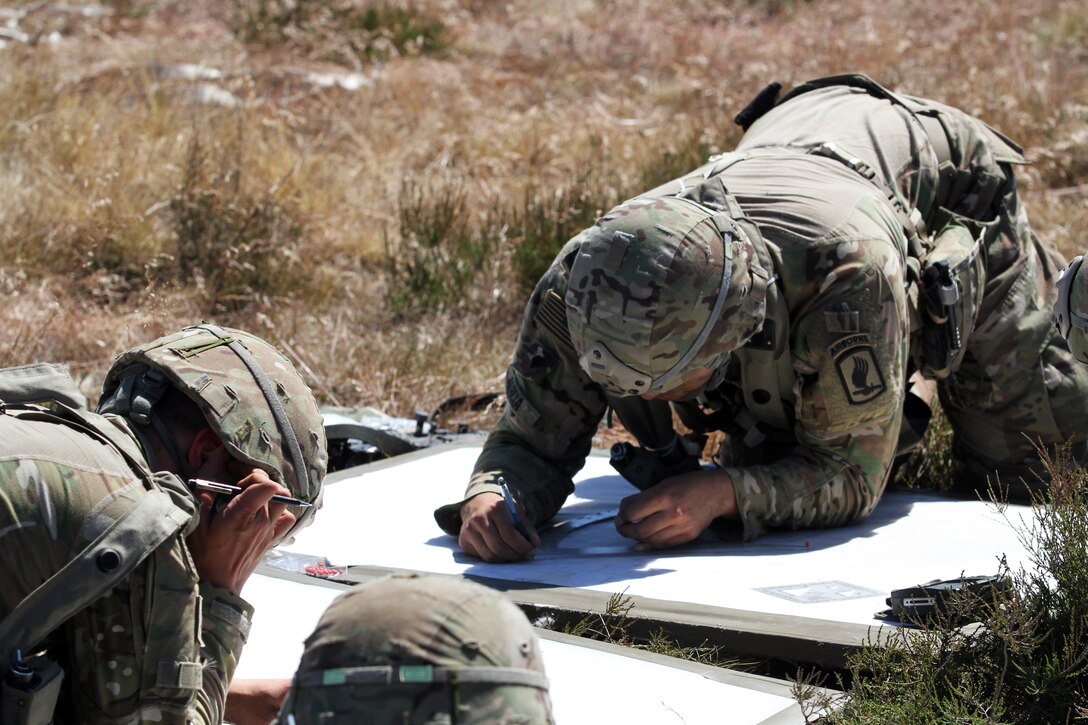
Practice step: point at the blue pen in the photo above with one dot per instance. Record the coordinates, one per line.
(512, 507)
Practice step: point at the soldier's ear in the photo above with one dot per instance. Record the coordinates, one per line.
(204, 442)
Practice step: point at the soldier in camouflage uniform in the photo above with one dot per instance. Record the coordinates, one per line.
(785, 293)
(420, 649)
(146, 620)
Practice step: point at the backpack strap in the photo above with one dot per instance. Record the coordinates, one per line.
(910, 219)
(92, 573)
(115, 554)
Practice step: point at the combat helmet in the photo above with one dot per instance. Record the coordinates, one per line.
(426, 650)
(1071, 308)
(249, 393)
(662, 285)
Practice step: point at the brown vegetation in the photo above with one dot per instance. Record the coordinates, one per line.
(374, 184)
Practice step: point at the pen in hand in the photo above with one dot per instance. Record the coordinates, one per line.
(228, 490)
(512, 508)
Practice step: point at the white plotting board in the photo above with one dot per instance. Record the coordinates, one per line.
(591, 683)
(382, 516)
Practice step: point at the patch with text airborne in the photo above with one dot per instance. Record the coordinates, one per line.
(859, 372)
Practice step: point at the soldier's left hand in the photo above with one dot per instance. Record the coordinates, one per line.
(676, 510)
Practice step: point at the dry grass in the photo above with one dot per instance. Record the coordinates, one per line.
(303, 143)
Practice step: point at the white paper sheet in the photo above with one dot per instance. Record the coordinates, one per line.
(384, 517)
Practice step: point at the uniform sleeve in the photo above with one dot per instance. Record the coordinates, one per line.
(225, 626)
(849, 344)
(552, 412)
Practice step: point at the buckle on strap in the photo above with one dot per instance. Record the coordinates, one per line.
(855, 164)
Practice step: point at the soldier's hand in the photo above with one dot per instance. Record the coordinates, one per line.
(229, 543)
(488, 531)
(676, 510)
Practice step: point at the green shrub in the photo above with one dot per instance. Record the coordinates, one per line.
(240, 246)
(692, 151)
(343, 31)
(445, 258)
(547, 220)
(441, 248)
(1027, 662)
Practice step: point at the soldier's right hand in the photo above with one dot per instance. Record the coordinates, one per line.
(228, 545)
(488, 531)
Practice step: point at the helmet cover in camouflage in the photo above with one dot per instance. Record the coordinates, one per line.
(660, 286)
(420, 649)
(1071, 308)
(202, 363)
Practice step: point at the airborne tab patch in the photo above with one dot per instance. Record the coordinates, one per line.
(859, 372)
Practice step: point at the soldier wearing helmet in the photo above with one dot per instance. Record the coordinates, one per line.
(422, 650)
(122, 581)
(857, 245)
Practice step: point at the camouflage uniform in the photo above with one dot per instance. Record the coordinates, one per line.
(59, 489)
(420, 649)
(842, 180)
(162, 646)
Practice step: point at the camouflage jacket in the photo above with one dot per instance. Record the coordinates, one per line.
(843, 258)
(122, 655)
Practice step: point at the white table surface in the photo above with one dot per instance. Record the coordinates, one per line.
(587, 685)
(383, 516)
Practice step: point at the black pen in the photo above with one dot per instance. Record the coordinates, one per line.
(225, 488)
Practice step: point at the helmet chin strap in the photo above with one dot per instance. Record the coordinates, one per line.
(171, 444)
(168, 441)
(145, 444)
(135, 399)
(721, 366)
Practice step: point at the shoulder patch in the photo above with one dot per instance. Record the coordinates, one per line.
(860, 374)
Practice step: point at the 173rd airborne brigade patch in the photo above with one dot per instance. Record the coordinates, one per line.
(858, 370)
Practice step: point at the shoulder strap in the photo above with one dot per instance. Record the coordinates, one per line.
(92, 425)
(855, 80)
(93, 572)
(107, 560)
(767, 374)
(909, 218)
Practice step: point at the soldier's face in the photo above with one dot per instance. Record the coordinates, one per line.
(690, 383)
